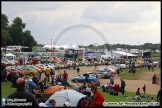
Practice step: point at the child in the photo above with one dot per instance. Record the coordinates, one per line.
(144, 89)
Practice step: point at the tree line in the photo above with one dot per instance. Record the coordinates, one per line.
(15, 34)
(125, 46)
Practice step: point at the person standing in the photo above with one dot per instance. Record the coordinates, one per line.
(47, 73)
(133, 71)
(117, 71)
(152, 67)
(112, 79)
(78, 69)
(21, 94)
(149, 65)
(65, 75)
(144, 89)
(95, 64)
(159, 97)
(122, 86)
(98, 98)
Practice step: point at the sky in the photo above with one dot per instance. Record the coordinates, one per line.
(85, 23)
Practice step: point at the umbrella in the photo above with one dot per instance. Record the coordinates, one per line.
(71, 96)
(49, 91)
(53, 89)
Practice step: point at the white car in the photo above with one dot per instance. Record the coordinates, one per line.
(50, 66)
(9, 62)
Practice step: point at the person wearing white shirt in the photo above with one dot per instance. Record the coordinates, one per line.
(88, 91)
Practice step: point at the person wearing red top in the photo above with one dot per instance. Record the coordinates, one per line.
(85, 102)
(116, 87)
(65, 75)
(98, 98)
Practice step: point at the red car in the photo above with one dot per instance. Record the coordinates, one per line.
(39, 67)
(16, 62)
(12, 70)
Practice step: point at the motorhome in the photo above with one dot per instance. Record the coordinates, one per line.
(13, 48)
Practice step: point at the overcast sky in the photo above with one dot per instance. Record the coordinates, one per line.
(119, 22)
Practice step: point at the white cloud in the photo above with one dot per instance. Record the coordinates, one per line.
(126, 13)
(119, 22)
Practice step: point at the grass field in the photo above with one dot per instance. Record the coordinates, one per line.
(129, 76)
(6, 90)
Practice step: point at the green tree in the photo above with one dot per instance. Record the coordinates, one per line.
(16, 31)
(5, 36)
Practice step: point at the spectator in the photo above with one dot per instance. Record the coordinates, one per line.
(20, 93)
(117, 71)
(65, 75)
(149, 65)
(122, 86)
(153, 79)
(85, 102)
(159, 96)
(52, 72)
(47, 73)
(152, 99)
(144, 89)
(78, 69)
(31, 85)
(76, 87)
(95, 66)
(133, 70)
(112, 80)
(42, 105)
(84, 84)
(14, 78)
(138, 98)
(51, 103)
(98, 98)
(138, 91)
(66, 104)
(152, 66)
(88, 91)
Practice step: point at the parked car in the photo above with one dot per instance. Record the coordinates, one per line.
(29, 71)
(41, 68)
(82, 79)
(50, 66)
(42, 65)
(33, 67)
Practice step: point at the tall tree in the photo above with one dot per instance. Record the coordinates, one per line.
(5, 36)
(16, 31)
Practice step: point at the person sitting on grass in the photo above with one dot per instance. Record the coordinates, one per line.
(152, 99)
(138, 98)
(138, 91)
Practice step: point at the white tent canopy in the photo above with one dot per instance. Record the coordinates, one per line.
(118, 54)
(70, 96)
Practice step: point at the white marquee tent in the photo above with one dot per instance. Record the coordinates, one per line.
(118, 54)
